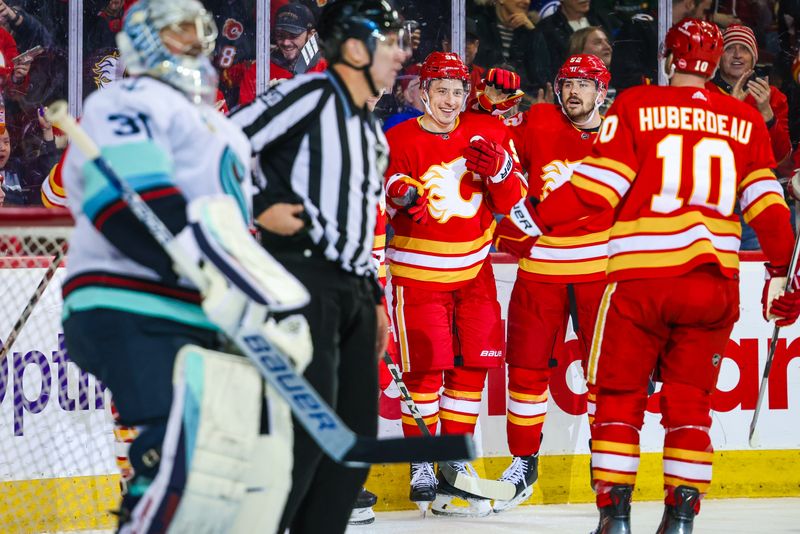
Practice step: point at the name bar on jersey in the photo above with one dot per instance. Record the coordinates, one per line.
(694, 119)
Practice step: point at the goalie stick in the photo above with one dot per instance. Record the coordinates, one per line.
(34, 300)
(335, 439)
(479, 487)
(753, 437)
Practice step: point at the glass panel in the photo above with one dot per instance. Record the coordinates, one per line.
(33, 73)
(430, 22)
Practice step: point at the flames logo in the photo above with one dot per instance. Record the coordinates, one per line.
(106, 70)
(232, 29)
(443, 183)
(555, 174)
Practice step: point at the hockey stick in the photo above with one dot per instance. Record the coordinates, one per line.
(479, 487)
(753, 437)
(335, 439)
(37, 295)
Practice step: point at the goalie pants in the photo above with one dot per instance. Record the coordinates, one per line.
(646, 325)
(538, 313)
(134, 356)
(342, 319)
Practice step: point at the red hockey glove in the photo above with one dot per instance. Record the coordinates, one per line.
(489, 159)
(524, 216)
(783, 307)
(511, 240)
(506, 94)
(404, 195)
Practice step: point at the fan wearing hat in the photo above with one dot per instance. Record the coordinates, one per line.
(736, 77)
(294, 26)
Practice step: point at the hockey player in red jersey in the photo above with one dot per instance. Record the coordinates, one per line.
(449, 172)
(560, 275)
(671, 162)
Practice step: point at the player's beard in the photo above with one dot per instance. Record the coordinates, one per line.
(580, 115)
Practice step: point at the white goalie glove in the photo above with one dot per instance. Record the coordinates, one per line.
(243, 282)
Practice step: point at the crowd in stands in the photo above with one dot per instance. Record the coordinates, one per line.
(532, 39)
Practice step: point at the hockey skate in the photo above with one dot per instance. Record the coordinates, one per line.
(362, 513)
(679, 519)
(423, 485)
(616, 517)
(450, 501)
(523, 472)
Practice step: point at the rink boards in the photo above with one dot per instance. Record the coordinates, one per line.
(57, 465)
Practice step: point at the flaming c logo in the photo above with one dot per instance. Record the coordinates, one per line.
(556, 173)
(444, 185)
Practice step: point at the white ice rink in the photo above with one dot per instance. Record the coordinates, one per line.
(750, 516)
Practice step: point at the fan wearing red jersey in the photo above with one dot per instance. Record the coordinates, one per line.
(560, 275)
(449, 172)
(671, 162)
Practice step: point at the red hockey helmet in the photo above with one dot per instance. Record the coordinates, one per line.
(445, 65)
(585, 67)
(695, 46)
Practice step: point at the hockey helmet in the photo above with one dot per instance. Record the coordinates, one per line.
(584, 67)
(144, 51)
(443, 65)
(368, 21)
(694, 46)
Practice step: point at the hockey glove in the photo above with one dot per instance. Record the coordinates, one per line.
(511, 240)
(783, 307)
(488, 159)
(524, 216)
(401, 194)
(503, 91)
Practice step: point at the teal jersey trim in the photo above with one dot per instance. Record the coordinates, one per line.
(232, 173)
(194, 382)
(91, 298)
(143, 165)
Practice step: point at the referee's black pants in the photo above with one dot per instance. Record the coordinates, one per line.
(341, 316)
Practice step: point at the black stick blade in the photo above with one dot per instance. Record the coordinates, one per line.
(403, 450)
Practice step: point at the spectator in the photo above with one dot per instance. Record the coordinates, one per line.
(294, 26)
(571, 16)
(736, 77)
(507, 36)
(22, 180)
(408, 96)
(594, 40)
(24, 27)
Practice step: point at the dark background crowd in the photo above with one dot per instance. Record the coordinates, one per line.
(530, 37)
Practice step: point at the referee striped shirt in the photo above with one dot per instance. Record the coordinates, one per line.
(315, 147)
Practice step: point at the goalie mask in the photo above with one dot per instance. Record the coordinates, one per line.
(171, 40)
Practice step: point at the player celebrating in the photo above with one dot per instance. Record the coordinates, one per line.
(561, 274)
(448, 172)
(128, 312)
(671, 161)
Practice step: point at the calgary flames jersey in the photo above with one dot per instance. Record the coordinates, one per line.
(550, 147)
(672, 161)
(449, 249)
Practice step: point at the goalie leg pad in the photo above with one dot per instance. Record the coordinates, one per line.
(210, 441)
(269, 477)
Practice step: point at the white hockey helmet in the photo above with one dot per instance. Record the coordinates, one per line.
(144, 52)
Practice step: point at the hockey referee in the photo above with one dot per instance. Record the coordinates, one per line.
(321, 157)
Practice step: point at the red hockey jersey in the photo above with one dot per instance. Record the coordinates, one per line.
(449, 250)
(672, 162)
(550, 147)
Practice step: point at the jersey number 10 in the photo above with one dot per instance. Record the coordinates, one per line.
(671, 151)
